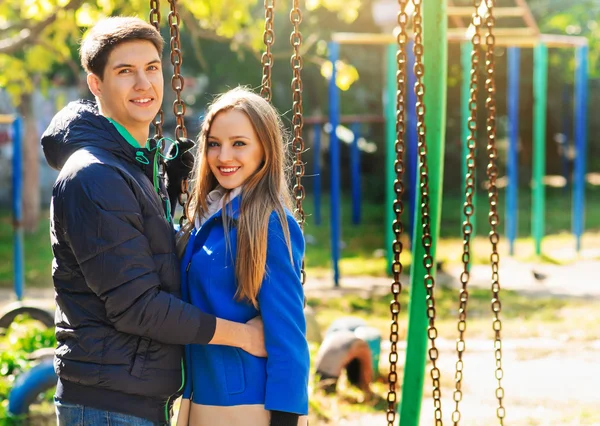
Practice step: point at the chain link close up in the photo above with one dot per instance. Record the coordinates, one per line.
(493, 218)
(297, 118)
(397, 226)
(267, 56)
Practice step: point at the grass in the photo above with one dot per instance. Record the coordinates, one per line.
(363, 247)
(523, 311)
(523, 317)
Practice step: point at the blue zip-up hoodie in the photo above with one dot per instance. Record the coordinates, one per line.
(225, 376)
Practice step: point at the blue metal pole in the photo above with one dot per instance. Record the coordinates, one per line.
(355, 173)
(565, 143)
(317, 168)
(512, 162)
(411, 137)
(17, 198)
(334, 151)
(581, 101)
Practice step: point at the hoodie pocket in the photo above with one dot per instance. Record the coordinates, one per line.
(137, 367)
(234, 370)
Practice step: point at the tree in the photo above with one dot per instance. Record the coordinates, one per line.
(38, 41)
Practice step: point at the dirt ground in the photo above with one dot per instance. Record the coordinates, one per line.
(548, 381)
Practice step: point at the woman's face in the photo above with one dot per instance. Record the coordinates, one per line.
(233, 151)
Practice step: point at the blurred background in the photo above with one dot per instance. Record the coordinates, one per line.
(552, 294)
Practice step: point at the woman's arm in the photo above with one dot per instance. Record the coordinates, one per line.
(281, 301)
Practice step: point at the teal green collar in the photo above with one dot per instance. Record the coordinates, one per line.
(125, 133)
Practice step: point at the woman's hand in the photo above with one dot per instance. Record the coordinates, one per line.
(255, 342)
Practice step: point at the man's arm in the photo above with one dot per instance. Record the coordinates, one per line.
(103, 223)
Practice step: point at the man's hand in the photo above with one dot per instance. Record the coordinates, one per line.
(178, 168)
(255, 342)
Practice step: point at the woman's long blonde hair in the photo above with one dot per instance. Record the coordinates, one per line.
(262, 193)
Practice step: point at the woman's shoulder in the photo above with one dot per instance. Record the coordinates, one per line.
(275, 222)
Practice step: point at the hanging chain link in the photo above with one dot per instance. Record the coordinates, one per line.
(267, 57)
(469, 211)
(177, 81)
(427, 239)
(397, 226)
(494, 219)
(155, 21)
(177, 84)
(297, 119)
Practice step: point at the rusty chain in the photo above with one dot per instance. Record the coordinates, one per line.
(494, 219)
(469, 210)
(427, 239)
(177, 81)
(397, 226)
(267, 56)
(155, 21)
(297, 119)
(177, 84)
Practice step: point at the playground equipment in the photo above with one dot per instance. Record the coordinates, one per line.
(357, 123)
(514, 39)
(30, 384)
(10, 312)
(432, 55)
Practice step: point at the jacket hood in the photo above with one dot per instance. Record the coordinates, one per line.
(78, 125)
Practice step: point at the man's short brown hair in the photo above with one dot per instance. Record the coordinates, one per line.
(109, 33)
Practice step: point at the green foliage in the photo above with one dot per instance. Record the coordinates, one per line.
(23, 337)
(51, 30)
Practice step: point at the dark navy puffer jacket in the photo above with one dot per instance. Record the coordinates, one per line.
(120, 322)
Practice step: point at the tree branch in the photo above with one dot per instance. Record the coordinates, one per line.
(29, 35)
(198, 31)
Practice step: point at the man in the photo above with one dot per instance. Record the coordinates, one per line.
(120, 323)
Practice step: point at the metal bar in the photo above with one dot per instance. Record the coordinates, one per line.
(538, 207)
(499, 12)
(317, 172)
(581, 111)
(334, 151)
(17, 198)
(555, 40)
(7, 119)
(346, 119)
(355, 173)
(512, 161)
(565, 142)
(458, 22)
(436, 63)
(390, 152)
(459, 35)
(527, 15)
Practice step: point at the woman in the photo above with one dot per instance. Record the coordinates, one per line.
(242, 258)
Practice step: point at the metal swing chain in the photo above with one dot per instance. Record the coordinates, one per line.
(297, 119)
(155, 21)
(492, 174)
(177, 81)
(398, 228)
(267, 57)
(177, 84)
(469, 210)
(427, 239)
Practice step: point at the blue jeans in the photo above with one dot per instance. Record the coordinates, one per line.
(80, 415)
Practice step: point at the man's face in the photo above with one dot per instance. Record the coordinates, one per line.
(131, 90)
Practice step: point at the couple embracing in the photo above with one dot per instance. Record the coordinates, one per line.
(213, 312)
